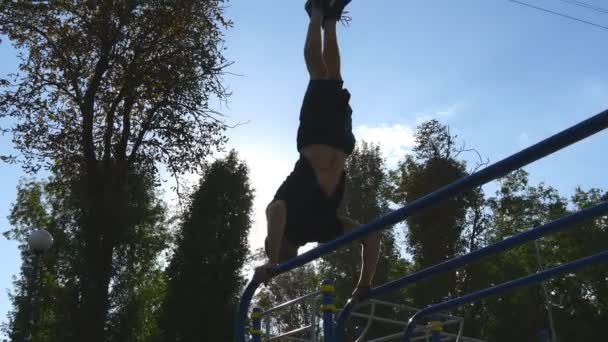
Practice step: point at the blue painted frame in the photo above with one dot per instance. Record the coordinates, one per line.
(328, 307)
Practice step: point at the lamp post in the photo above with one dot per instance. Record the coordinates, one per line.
(548, 303)
(39, 242)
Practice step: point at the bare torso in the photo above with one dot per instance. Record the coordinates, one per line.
(328, 163)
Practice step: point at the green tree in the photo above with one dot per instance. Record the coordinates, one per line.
(52, 206)
(105, 88)
(515, 208)
(139, 286)
(204, 280)
(580, 302)
(434, 234)
(43, 296)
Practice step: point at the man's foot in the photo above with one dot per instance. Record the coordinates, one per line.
(334, 9)
(313, 4)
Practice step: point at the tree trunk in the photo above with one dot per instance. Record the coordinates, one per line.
(97, 273)
(103, 222)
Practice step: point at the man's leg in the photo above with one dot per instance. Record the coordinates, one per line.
(327, 161)
(331, 51)
(323, 63)
(313, 48)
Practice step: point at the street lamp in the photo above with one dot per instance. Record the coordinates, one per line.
(40, 241)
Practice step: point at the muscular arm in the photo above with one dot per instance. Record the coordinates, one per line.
(276, 217)
(370, 252)
(369, 258)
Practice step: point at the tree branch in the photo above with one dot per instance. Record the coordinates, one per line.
(55, 48)
(126, 129)
(88, 106)
(109, 131)
(145, 126)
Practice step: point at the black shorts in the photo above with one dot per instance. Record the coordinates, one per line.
(311, 215)
(326, 116)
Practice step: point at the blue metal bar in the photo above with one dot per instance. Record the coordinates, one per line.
(256, 318)
(436, 336)
(328, 310)
(566, 222)
(436, 329)
(542, 149)
(510, 285)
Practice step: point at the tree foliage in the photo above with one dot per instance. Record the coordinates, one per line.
(434, 234)
(203, 277)
(123, 80)
(104, 90)
(49, 291)
(574, 300)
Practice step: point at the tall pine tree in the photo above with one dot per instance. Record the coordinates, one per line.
(204, 280)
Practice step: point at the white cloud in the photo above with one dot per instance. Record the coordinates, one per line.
(395, 140)
(441, 114)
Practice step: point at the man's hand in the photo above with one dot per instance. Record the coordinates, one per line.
(360, 294)
(264, 273)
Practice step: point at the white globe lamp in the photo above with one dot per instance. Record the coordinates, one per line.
(40, 241)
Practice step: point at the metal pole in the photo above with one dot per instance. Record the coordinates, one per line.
(328, 308)
(34, 296)
(545, 294)
(436, 329)
(313, 319)
(256, 332)
(267, 326)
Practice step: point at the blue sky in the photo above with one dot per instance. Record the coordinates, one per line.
(501, 75)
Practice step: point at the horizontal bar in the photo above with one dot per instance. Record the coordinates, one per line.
(391, 337)
(566, 222)
(407, 307)
(292, 332)
(506, 286)
(542, 149)
(400, 334)
(400, 323)
(381, 319)
(291, 302)
(288, 338)
(469, 339)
